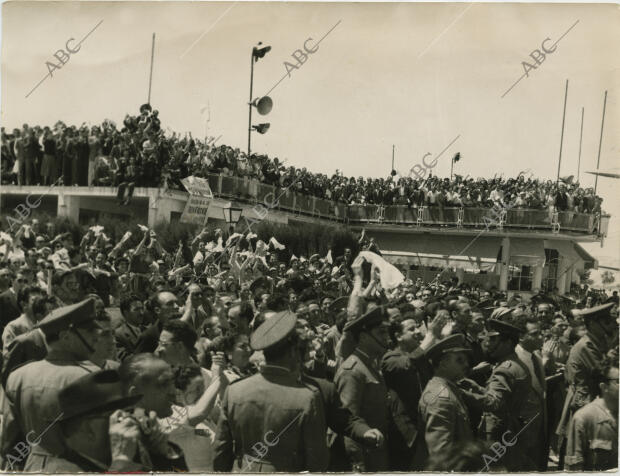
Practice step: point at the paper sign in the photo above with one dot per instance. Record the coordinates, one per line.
(197, 186)
(195, 210)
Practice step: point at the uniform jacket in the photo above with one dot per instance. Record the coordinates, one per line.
(271, 422)
(363, 391)
(592, 439)
(339, 419)
(585, 356)
(503, 403)
(32, 395)
(443, 417)
(24, 348)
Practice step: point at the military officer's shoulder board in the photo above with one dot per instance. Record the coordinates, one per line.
(349, 363)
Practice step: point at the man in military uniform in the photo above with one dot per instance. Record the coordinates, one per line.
(502, 401)
(443, 415)
(71, 333)
(99, 435)
(593, 431)
(272, 421)
(584, 360)
(340, 420)
(362, 388)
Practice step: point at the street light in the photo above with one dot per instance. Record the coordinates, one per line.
(263, 105)
(231, 215)
(456, 158)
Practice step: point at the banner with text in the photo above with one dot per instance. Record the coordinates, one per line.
(195, 210)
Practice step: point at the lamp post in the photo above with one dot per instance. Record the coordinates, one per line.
(257, 53)
(231, 216)
(456, 158)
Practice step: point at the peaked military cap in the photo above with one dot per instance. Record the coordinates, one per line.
(274, 330)
(95, 392)
(453, 343)
(67, 317)
(597, 312)
(496, 327)
(339, 304)
(373, 317)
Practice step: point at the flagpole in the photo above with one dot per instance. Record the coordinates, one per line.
(393, 146)
(151, 73)
(580, 138)
(600, 143)
(562, 135)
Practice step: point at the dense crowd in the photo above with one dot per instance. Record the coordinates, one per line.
(140, 154)
(228, 354)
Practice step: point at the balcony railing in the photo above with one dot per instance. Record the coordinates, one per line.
(252, 191)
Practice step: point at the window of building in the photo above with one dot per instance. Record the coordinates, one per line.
(520, 278)
(550, 271)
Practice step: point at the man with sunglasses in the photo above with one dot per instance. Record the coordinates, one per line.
(584, 360)
(32, 390)
(66, 287)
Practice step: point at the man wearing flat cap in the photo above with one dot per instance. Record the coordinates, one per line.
(273, 421)
(444, 417)
(584, 361)
(100, 436)
(71, 333)
(503, 398)
(362, 388)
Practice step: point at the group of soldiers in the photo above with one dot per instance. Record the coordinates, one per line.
(419, 407)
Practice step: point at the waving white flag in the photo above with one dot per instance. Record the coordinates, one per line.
(389, 274)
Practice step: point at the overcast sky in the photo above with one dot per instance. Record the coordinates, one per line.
(413, 75)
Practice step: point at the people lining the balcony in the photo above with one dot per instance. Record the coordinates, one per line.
(140, 153)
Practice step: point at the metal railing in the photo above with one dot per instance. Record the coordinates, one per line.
(253, 191)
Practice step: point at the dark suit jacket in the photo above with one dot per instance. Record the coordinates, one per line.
(9, 309)
(149, 338)
(407, 375)
(126, 340)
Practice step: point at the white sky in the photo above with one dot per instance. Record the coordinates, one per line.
(413, 75)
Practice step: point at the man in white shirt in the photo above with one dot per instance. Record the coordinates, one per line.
(535, 408)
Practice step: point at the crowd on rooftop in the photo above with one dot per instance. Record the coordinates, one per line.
(140, 154)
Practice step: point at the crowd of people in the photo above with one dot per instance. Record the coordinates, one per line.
(141, 154)
(238, 356)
